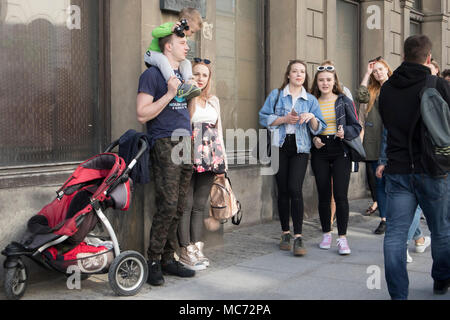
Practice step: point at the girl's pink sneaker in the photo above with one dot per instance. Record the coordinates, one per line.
(326, 241)
(342, 244)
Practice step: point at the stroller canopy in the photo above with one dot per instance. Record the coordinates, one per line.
(88, 183)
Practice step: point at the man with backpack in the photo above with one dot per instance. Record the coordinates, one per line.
(417, 170)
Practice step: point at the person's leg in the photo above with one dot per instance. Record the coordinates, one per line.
(434, 199)
(201, 194)
(401, 205)
(371, 180)
(333, 205)
(380, 192)
(414, 231)
(182, 185)
(186, 70)
(322, 174)
(282, 178)
(341, 177)
(166, 175)
(160, 61)
(297, 171)
(184, 234)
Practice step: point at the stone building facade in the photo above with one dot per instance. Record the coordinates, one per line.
(70, 70)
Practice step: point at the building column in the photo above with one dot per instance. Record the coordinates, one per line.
(435, 26)
(375, 24)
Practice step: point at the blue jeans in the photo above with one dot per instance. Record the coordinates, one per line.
(415, 232)
(381, 193)
(404, 194)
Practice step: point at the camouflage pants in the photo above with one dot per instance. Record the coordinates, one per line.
(171, 185)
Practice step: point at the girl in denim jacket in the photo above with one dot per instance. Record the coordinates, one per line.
(292, 115)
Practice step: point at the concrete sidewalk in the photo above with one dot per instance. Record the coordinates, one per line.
(249, 266)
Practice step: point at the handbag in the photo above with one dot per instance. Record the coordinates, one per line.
(356, 149)
(223, 202)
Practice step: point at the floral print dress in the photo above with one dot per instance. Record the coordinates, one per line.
(208, 150)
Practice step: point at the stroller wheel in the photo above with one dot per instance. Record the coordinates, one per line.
(15, 282)
(128, 273)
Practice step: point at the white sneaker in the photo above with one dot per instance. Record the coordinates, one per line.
(189, 260)
(342, 244)
(199, 253)
(408, 257)
(420, 248)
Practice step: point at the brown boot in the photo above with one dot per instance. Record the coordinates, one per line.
(285, 242)
(299, 247)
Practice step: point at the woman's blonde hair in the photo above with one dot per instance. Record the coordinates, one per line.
(374, 86)
(206, 91)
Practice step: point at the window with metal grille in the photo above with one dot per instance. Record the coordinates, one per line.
(50, 101)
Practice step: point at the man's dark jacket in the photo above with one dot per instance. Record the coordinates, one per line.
(399, 107)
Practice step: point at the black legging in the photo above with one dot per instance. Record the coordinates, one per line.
(371, 180)
(290, 176)
(330, 162)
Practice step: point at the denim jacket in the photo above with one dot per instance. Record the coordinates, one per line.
(306, 103)
(382, 160)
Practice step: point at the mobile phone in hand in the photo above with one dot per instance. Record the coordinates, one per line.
(294, 113)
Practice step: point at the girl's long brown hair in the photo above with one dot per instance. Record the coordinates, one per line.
(374, 86)
(337, 89)
(288, 70)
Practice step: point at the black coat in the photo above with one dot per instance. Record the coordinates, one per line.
(128, 149)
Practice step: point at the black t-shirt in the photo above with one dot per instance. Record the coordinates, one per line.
(174, 119)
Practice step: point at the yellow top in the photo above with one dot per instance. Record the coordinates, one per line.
(329, 115)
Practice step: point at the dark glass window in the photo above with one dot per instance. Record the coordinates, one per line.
(415, 28)
(417, 5)
(49, 81)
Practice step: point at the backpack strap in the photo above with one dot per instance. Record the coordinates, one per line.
(431, 81)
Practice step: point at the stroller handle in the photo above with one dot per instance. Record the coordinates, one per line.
(143, 147)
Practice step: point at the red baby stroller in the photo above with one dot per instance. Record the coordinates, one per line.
(56, 236)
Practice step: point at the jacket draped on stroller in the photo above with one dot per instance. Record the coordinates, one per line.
(58, 236)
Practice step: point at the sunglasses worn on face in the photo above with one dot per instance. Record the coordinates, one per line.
(205, 61)
(327, 68)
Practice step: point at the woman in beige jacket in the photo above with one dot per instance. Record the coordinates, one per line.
(209, 160)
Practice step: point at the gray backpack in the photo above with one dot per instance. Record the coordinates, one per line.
(435, 130)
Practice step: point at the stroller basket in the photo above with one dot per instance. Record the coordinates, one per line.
(86, 262)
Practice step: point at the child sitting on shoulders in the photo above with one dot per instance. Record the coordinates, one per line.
(190, 22)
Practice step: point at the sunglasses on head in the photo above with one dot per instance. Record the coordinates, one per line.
(327, 68)
(376, 59)
(205, 61)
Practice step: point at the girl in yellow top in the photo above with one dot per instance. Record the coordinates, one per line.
(329, 156)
